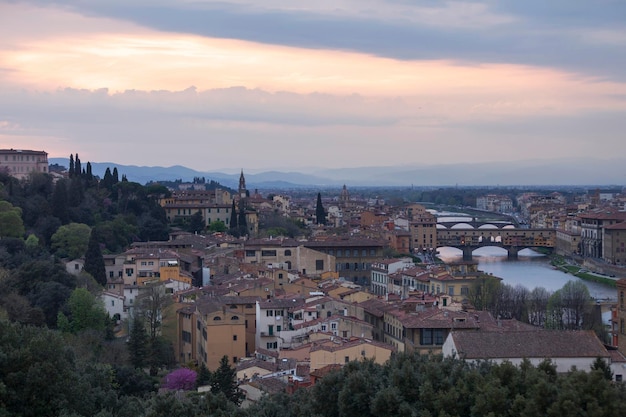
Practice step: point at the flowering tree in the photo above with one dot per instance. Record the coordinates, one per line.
(181, 379)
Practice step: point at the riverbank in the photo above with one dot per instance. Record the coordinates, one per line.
(560, 263)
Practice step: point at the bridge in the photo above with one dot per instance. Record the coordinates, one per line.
(499, 224)
(513, 240)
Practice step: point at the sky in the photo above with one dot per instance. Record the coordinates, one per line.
(290, 84)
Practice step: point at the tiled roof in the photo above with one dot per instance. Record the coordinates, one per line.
(538, 344)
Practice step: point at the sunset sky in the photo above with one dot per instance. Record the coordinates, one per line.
(289, 84)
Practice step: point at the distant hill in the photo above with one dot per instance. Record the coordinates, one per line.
(538, 172)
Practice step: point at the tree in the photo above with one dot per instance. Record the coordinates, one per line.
(72, 169)
(320, 213)
(217, 226)
(204, 376)
(85, 312)
(11, 223)
(234, 230)
(196, 222)
(181, 379)
(60, 203)
(242, 222)
(150, 305)
(600, 365)
(71, 240)
(225, 381)
(94, 262)
(138, 344)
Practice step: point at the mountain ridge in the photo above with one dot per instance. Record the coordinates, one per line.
(534, 172)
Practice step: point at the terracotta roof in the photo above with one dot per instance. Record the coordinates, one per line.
(538, 344)
(325, 370)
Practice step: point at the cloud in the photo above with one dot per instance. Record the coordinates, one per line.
(534, 32)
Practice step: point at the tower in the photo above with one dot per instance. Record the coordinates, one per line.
(242, 186)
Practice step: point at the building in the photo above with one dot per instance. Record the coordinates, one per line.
(381, 271)
(353, 255)
(337, 351)
(21, 163)
(593, 224)
(565, 349)
(289, 254)
(423, 229)
(614, 244)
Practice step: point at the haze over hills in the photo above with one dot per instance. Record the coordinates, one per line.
(537, 172)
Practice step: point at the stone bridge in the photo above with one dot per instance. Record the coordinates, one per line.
(513, 240)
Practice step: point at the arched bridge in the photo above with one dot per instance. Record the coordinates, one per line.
(513, 240)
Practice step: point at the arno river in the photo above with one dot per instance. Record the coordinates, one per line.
(530, 270)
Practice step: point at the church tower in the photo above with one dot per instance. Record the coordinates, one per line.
(242, 186)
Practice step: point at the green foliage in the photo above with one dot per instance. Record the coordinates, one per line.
(224, 381)
(217, 226)
(138, 344)
(11, 224)
(85, 312)
(71, 240)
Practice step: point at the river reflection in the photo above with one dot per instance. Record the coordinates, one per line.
(531, 270)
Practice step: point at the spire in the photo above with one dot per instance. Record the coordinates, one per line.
(242, 185)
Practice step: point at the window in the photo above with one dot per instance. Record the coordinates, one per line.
(465, 290)
(234, 318)
(217, 318)
(110, 274)
(268, 253)
(234, 338)
(618, 378)
(278, 328)
(333, 326)
(269, 313)
(270, 329)
(431, 337)
(451, 290)
(319, 264)
(186, 336)
(323, 327)
(346, 359)
(344, 334)
(250, 253)
(287, 252)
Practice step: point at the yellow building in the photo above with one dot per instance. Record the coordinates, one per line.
(216, 326)
(336, 351)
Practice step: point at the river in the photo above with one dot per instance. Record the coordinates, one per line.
(531, 270)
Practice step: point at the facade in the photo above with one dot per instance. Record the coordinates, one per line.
(423, 229)
(336, 351)
(381, 270)
(614, 244)
(290, 255)
(564, 348)
(21, 163)
(592, 225)
(353, 255)
(495, 203)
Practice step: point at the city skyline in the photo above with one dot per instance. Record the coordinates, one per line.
(223, 85)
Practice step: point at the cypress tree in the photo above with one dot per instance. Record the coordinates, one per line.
(94, 262)
(78, 170)
(224, 379)
(242, 223)
(115, 176)
(320, 213)
(71, 172)
(233, 229)
(138, 344)
(60, 202)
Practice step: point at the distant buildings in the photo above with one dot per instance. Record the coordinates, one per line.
(21, 163)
